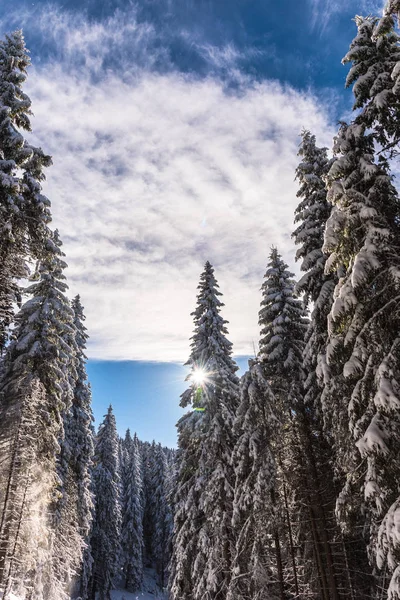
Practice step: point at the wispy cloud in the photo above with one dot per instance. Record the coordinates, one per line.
(151, 180)
(323, 11)
(155, 173)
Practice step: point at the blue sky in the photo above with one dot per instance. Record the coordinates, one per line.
(173, 126)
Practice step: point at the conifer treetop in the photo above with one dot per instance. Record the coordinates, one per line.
(44, 322)
(107, 443)
(14, 61)
(311, 215)
(211, 351)
(282, 319)
(374, 55)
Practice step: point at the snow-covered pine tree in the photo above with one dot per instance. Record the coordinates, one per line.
(76, 504)
(187, 512)
(392, 7)
(127, 442)
(283, 326)
(254, 567)
(162, 516)
(283, 323)
(317, 287)
(132, 517)
(203, 538)
(374, 55)
(362, 235)
(148, 457)
(83, 442)
(35, 364)
(24, 211)
(105, 540)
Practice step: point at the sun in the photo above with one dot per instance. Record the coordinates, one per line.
(199, 376)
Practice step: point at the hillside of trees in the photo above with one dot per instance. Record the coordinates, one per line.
(286, 481)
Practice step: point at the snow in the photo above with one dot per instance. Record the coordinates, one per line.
(123, 595)
(150, 591)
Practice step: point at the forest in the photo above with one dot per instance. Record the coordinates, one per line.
(286, 481)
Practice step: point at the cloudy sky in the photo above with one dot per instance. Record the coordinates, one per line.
(174, 127)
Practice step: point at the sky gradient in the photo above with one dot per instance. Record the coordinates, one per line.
(174, 127)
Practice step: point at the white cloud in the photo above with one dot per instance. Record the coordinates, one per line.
(153, 178)
(156, 173)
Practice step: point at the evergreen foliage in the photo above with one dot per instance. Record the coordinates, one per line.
(24, 210)
(374, 55)
(285, 486)
(317, 287)
(39, 357)
(105, 541)
(162, 517)
(203, 539)
(283, 324)
(362, 238)
(132, 522)
(253, 566)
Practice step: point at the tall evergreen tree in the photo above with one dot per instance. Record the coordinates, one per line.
(36, 360)
(317, 287)
(187, 512)
(162, 516)
(105, 541)
(149, 458)
(283, 325)
(203, 543)
(283, 328)
(24, 211)
(254, 568)
(132, 522)
(374, 55)
(76, 505)
(362, 235)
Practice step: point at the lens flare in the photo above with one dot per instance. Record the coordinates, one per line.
(199, 376)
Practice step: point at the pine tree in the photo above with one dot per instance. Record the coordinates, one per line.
(254, 569)
(374, 55)
(187, 512)
(132, 522)
(297, 438)
(149, 457)
(362, 238)
(283, 325)
(311, 216)
(203, 543)
(318, 499)
(392, 9)
(162, 516)
(76, 504)
(35, 366)
(24, 211)
(105, 542)
(127, 442)
(83, 445)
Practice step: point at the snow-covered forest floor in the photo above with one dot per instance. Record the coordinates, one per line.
(150, 590)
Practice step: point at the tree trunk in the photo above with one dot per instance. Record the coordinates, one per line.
(8, 579)
(278, 554)
(5, 523)
(292, 553)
